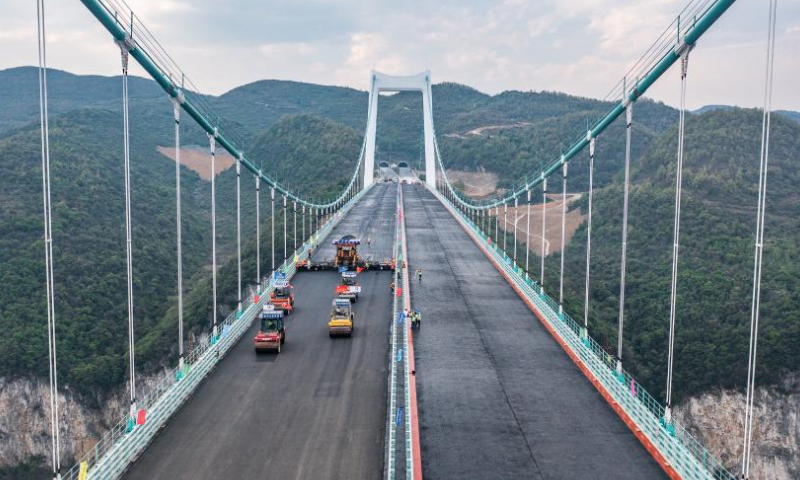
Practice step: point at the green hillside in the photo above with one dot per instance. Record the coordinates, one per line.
(316, 154)
(251, 109)
(88, 213)
(89, 245)
(716, 259)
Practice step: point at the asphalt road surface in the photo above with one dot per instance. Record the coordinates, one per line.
(497, 396)
(372, 220)
(316, 411)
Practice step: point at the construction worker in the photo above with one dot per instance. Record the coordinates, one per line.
(419, 275)
(391, 287)
(418, 318)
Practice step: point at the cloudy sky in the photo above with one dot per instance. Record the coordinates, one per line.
(580, 47)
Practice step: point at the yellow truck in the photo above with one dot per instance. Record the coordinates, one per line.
(341, 319)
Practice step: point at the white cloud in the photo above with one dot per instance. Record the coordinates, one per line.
(286, 49)
(577, 46)
(18, 34)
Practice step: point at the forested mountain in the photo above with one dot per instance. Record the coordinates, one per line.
(720, 179)
(89, 239)
(546, 119)
(316, 154)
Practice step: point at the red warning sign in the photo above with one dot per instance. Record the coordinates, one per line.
(140, 417)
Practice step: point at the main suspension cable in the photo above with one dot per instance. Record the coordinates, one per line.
(759, 243)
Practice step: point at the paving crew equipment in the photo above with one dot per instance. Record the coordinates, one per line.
(341, 319)
(347, 258)
(346, 252)
(271, 334)
(349, 288)
(282, 297)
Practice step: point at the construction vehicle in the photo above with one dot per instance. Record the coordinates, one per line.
(281, 297)
(348, 287)
(271, 334)
(341, 319)
(346, 252)
(346, 258)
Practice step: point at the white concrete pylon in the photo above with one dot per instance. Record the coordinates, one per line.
(380, 82)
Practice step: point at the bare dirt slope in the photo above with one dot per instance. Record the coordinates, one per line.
(199, 160)
(552, 211)
(476, 184)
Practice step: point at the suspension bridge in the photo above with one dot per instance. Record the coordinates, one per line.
(503, 383)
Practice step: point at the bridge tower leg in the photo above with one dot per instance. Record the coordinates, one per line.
(372, 128)
(427, 124)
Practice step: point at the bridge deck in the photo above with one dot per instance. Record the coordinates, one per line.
(372, 221)
(497, 396)
(317, 410)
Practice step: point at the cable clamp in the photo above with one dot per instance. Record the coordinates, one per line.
(180, 97)
(591, 147)
(126, 44)
(683, 48)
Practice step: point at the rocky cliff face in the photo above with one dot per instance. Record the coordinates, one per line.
(25, 419)
(717, 420)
